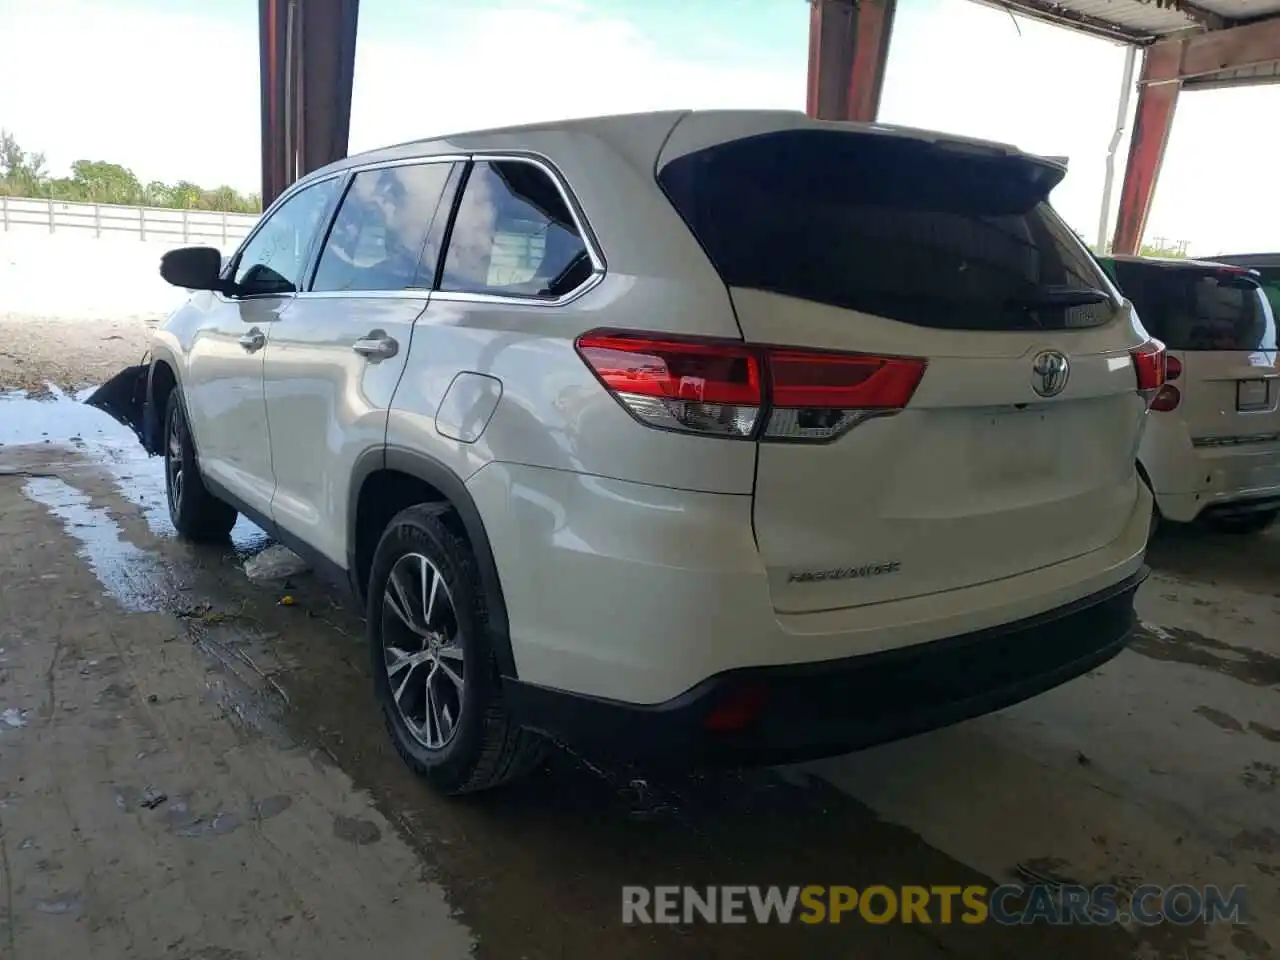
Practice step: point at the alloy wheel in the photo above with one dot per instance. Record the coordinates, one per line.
(422, 650)
(173, 462)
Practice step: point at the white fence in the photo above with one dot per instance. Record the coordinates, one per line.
(153, 224)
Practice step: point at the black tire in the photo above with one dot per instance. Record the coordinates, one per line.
(484, 748)
(196, 513)
(1244, 523)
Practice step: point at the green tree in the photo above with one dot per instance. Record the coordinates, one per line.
(185, 195)
(102, 182)
(24, 174)
(158, 194)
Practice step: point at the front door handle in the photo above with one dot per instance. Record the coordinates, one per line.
(254, 340)
(376, 346)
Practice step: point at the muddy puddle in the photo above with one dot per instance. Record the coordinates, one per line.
(76, 434)
(1180, 645)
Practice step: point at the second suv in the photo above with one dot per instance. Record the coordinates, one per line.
(720, 435)
(1212, 449)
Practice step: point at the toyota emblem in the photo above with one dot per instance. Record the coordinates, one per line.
(1051, 371)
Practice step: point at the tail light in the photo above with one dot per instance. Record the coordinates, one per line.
(1149, 365)
(731, 389)
(1167, 398)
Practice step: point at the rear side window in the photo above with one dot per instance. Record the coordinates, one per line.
(1193, 309)
(514, 235)
(891, 226)
(383, 237)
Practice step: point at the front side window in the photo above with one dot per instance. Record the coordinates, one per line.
(383, 236)
(275, 255)
(514, 235)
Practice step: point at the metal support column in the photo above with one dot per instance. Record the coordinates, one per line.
(307, 57)
(1199, 61)
(1122, 120)
(1157, 100)
(848, 50)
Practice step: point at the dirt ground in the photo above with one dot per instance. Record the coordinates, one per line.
(190, 769)
(74, 309)
(71, 352)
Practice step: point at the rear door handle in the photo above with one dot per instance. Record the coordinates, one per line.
(376, 346)
(254, 340)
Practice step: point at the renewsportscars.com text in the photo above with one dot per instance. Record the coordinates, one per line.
(1009, 904)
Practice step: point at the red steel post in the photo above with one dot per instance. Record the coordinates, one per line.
(307, 68)
(1202, 59)
(848, 50)
(1157, 100)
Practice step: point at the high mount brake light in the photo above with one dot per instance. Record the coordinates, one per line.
(723, 388)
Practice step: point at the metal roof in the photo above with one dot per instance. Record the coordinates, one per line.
(1143, 21)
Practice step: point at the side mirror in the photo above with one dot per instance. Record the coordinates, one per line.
(195, 268)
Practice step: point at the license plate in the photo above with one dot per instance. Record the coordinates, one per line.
(1253, 395)
(1015, 449)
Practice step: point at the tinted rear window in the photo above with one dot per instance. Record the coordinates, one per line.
(890, 226)
(1271, 287)
(1192, 309)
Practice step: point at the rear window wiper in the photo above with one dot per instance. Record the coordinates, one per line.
(1059, 297)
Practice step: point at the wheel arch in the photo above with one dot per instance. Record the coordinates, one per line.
(1145, 476)
(378, 469)
(163, 378)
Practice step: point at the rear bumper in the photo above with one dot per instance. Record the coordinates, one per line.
(1191, 481)
(799, 711)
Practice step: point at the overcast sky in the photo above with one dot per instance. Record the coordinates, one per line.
(170, 87)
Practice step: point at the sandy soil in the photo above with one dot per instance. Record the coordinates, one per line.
(73, 309)
(68, 351)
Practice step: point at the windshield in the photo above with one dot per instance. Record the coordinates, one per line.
(897, 227)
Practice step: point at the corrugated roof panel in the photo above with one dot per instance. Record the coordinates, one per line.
(1139, 19)
(1133, 15)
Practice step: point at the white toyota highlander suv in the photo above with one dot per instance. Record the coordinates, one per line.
(716, 435)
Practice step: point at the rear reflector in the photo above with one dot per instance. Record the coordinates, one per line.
(1149, 365)
(720, 388)
(1172, 368)
(738, 709)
